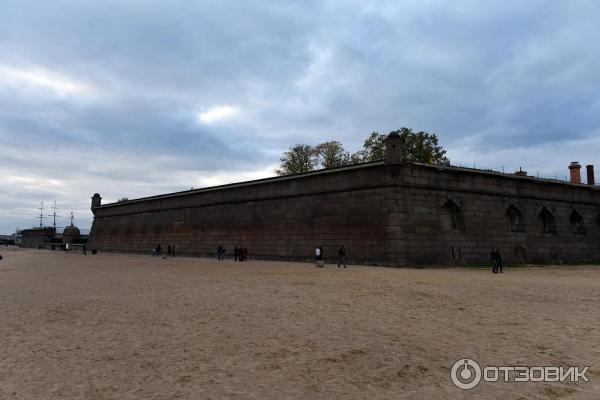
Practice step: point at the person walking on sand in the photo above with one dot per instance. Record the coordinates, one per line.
(158, 249)
(169, 251)
(220, 253)
(494, 261)
(319, 257)
(342, 255)
(236, 253)
(498, 261)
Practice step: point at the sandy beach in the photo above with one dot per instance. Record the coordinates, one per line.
(137, 327)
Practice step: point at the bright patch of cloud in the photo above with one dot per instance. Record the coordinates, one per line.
(217, 114)
(33, 181)
(216, 178)
(38, 78)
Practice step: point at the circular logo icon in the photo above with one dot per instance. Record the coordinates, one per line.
(465, 374)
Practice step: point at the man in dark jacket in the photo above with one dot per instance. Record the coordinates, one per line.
(342, 255)
(498, 261)
(220, 253)
(494, 263)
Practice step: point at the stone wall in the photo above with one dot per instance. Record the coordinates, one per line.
(455, 216)
(33, 238)
(281, 218)
(402, 214)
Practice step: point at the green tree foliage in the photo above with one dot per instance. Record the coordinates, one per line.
(419, 147)
(332, 155)
(422, 146)
(298, 159)
(373, 149)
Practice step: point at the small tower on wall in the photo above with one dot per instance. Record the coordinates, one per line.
(574, 169)
(96, 201)
(394, 149)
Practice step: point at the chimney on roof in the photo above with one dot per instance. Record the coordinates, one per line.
(520, 172)
(590, 174)
(96, 201)
(394, 149)
(575, 167)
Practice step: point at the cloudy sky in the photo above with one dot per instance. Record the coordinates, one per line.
(132, 98)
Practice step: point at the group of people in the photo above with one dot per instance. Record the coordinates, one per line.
(240, 253)
(341, 256)
(496, 260)
(158, 249)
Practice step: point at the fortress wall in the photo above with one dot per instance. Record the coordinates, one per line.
(277, 219)
(425, 234)
(384, 214)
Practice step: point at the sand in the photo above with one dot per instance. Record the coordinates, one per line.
(137, 327)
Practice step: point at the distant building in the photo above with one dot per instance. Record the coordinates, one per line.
(8, 240)
(71, 234)
(37, 237)
(48, 238)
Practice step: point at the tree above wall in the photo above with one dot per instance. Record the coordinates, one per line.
(298, 159)
(419, 147)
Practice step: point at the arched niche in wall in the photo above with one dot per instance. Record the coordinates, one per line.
(516, 220)
(452, 216)
(577, 223)
(548, 221)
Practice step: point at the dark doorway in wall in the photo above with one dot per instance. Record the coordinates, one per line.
(548, 221)
(577, 223)
(520, 254)
(515, 219)
(452, 216)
